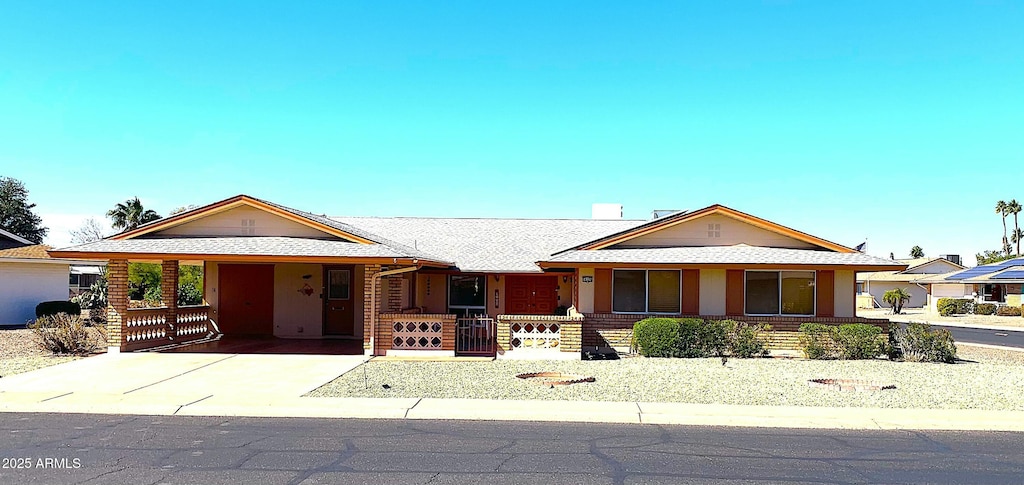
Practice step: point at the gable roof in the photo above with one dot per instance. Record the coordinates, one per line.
(350, 238)
(681, 217)
(904, 276)
(34, 251)
(740, 254)
(490, 245)
(14, 237)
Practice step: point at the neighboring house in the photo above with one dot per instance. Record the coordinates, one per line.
(82, 278)
(999, 283)
(459, 286)
(28, 276)
(871, 286)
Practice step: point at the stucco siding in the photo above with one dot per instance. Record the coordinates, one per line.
(938, 266)
(25, 285)
(431, 293)
(586, 303)
(729, 232)
(918, 295)
(230, 223)
(712, 292)
(845, 298)
(297, 314)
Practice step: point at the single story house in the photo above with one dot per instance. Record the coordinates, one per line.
(457, 286)
(872, 286)
(999, 283)
(28, 276)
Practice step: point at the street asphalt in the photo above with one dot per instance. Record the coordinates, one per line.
(987, 336)
(96, 449)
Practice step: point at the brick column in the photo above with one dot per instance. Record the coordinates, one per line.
(368, 271)
(504, 329)
(117, 302)
(394, 287)
(571, 334)
(169, 295)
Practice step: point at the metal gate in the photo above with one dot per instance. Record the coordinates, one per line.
(476, 336)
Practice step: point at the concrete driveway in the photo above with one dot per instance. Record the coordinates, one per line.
(159, 383)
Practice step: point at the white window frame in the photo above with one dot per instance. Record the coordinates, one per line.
(647, 291)
(779, 272)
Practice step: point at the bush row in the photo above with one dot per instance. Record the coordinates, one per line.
(914, 342)
(696, 337)
(1008, 311)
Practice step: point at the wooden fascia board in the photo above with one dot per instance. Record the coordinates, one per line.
(232, 203)
(808, 267)
(719, 209)
(245, 258)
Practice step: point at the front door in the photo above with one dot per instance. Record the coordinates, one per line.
(338, 315)
(531, 295)
(246, 302)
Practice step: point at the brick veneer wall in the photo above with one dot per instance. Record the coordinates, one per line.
(368, 271)
(169, 294)
(611, 329)
(117, 300)
(570, 330)
(385, 322)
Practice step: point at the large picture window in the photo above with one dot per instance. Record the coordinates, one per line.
(646, 291)
(779, 293)
(467, 295)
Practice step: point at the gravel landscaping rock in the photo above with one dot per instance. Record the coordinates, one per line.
(19, 352)
(993, 380)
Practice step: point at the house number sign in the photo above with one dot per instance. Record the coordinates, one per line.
(588, 279)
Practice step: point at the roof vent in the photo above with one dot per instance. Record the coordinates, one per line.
(606, 211)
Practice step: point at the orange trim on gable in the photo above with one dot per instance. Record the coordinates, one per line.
(233, 202)
(715, 209)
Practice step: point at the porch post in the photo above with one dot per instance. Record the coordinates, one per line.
(117, 303)
(169, 294)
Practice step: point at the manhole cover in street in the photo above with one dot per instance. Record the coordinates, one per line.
(850, 384)
(555, 378)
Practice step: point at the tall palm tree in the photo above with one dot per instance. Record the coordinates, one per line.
(130, 215)
(1001, 210)
(1013, 207)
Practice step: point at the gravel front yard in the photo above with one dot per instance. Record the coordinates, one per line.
(988, 379)
(19, 353)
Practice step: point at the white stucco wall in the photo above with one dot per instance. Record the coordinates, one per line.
(586, 303)
(25, 285)
(844, 300)
(712, 292)
(918, 295)
(295, 313)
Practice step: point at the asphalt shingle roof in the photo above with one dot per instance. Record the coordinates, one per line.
(739, 254)
(490, 245)
(242, 245)
(35, 251)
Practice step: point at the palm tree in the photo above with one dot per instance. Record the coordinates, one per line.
(896, 298)
(916, 252)
(1001, 210)
(1013, 207)
(130, 215)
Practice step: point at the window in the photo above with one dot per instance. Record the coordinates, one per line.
(339, 285)
(467, 295)
(646, 291)
(779, 293)
(248, 227)
(714, 230)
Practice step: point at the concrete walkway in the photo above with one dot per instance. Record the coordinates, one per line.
(273, 386)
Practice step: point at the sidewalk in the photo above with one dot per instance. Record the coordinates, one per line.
(264, 405)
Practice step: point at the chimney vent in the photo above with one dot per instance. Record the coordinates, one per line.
(606, 211)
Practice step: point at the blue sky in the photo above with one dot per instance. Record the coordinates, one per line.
(902, 122)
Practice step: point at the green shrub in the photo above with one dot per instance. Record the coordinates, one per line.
(657, 337)
(816, 341)
(954, 306)
(746, 340)
(1008, 311)
(189, 294)
(713, 338)
(63, 334)
(920, 343)
(50, 308)
(95, 297)
(985, 309)
(858, 341)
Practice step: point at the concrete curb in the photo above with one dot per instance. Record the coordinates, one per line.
(541, 411)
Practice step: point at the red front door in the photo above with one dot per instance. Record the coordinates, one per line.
(531, 295)
(246, 302)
